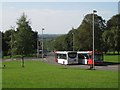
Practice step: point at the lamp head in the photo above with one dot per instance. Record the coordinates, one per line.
(94, 11)
(43, 28)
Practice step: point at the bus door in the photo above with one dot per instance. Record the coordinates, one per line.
(83, 58)
(80, 58)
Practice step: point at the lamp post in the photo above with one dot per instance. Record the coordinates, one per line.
(11, 46)
(73, 41)
(37, 45)
(42, 42)
(93, 66)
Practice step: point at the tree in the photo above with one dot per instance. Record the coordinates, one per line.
(35, 36)
(3, 44)
(112, 34)
(7, 41)
(0, 44)
(70, 40)
(85, 35)
(109, 40)
(105, 37)
(24, 37)
(60, 43)
(82, 37)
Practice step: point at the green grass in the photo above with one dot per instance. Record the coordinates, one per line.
(38, 74)
(111, 58)
(6, 57)
(15, 56)
(112, 53)
(18, 56)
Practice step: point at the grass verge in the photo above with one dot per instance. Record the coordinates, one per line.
(38, 74)
(112, 58)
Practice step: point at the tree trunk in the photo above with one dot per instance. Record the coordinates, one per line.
(118, 53)
(105, 52)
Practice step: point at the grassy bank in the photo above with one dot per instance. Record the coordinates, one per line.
(38, 74)
(111, 58)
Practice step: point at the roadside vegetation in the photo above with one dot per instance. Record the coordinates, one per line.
(23, 40)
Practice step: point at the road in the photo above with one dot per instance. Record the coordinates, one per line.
(51, 60)
(106, 65)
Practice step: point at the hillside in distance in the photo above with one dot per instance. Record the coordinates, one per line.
(49, 36)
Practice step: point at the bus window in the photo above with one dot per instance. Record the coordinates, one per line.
(58, 56)
(98, 57)
(80, 56)
(86, 56)
(61, 56)
(83, 56)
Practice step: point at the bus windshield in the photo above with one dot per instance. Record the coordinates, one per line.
(72, 54)
(61, 56)
(98, 57)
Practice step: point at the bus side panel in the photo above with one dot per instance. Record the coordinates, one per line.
(84, 61)
(72, 61)
(62, 61)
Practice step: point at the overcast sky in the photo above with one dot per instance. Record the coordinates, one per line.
(55, 17)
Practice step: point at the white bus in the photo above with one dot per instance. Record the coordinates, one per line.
(66, 57)
(85, 57)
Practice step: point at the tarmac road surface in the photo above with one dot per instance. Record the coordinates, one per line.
(105, 66)
(51, 60)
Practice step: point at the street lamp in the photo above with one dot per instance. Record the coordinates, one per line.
(93, 66)
(73, 41)
(37, 45)
(11, 45)
(42, 41)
